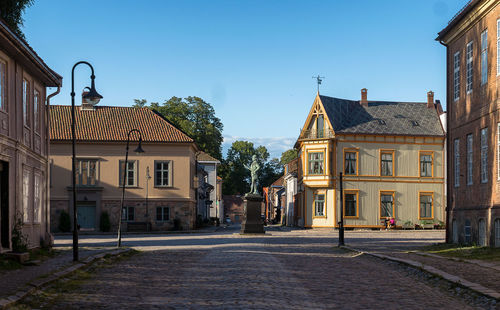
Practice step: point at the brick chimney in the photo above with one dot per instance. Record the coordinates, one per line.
(430, 99)
(364, 97)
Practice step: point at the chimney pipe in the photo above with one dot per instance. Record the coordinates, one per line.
(364, 97)
(430, 99)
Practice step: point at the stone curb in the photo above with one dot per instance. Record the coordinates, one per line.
(434, 271)
(32, 286)
(470, 261)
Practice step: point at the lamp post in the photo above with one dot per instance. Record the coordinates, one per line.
(137, 150)
(93, 98)
(341, 222)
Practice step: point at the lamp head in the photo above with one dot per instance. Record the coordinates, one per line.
(139, 149)
(92, 96)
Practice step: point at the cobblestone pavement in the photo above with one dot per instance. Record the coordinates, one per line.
(281, 270)
(13, 280)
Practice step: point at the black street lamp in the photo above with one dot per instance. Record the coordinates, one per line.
(138, 150)
(341, 222)
(93, 98)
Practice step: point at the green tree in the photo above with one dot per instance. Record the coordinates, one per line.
(288, 156)
(11, 11)
(237, 178)
(195, 117)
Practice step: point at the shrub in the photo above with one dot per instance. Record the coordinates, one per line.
(104, 223)
(64, 222)
(19, 240)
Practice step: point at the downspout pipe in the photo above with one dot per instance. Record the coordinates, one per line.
(448, 147)
(48, 235)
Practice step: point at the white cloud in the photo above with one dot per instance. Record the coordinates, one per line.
(275, 145)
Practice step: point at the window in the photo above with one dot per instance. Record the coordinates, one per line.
(497, 232)
(467, 232)
(484, 57)
(350, 167)
(320, 126)
(386, 163)
(26, 111)
(128, 214)
(484, 155)
(482, 232)
(425, 200)
(162, 214)
(26, 191)
(319, 205)
(36, 110)
(130, 178)
(386, 204)
(316, 163)
(162, 173)
(469, 72)
(456, 76)
(351, 204)
(86, 172)
(426, 164)
(469, 159)
(456, 163)
(3, 85)
(37, 199)
(498, 47)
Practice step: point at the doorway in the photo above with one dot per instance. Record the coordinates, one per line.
(86, 215)
(4, 204)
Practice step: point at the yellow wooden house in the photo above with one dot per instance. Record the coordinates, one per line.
(392, 157)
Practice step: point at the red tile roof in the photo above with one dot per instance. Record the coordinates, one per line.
(113, 124)
(202, 156)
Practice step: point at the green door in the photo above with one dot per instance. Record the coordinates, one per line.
(86, 216)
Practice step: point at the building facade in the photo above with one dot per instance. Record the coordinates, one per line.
(391, 155)
(290, 183)
(472, 40)
(160, 184)
(209, 165)
(24, 146)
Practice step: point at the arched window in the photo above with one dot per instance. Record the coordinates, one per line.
(467, 232)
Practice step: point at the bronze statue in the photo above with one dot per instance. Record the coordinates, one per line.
(254, 167)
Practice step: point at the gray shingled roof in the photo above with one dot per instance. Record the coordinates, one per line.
(382, 117)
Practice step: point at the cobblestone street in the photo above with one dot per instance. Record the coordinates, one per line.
(282, 270)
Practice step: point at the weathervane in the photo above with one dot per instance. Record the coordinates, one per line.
(318, 80)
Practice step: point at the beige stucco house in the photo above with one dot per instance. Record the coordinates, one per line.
(24, 79)
(390, 153)
(160, 183)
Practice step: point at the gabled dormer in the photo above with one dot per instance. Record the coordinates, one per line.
(317, 125)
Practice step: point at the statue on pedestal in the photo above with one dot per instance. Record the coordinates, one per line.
(254, 167)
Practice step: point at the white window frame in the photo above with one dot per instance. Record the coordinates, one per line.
(316, 201)
(484, 155)
(469, 67)
(133, 170)
(168, 171)
(126, 214)
(79, 171)
(162, 214)
(26, 89)
(36, 110)
(467, 232)
(37, 198)
(484, 57)
(457, 162)
(26, 191)
(456, 76)
(470, 155)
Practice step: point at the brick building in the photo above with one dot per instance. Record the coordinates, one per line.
(160, 189)
(472, 40)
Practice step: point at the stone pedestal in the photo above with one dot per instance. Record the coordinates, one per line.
(252, 223)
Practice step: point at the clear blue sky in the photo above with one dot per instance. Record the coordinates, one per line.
(252, 60)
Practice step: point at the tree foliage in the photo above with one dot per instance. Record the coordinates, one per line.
(195, 117)
(288, 156)
(11, 11)
(237, 177)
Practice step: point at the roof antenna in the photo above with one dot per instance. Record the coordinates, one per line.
(319, 79)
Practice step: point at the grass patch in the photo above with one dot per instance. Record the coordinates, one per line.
(464, 252)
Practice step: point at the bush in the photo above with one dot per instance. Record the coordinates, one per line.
(64, 222)
(104, 223)
(19, 240)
